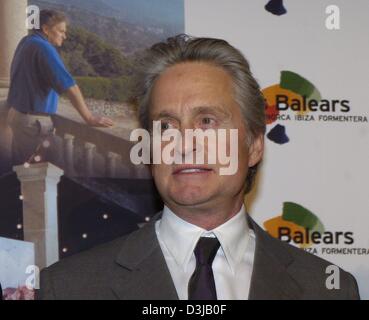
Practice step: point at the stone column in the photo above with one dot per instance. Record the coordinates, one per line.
(40, 211)
(111, 160)
(13, 29)
(89, 158)
(69, 153)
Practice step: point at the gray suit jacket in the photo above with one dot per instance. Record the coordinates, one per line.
(133, 267)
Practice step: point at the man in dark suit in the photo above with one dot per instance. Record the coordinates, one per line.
(203, 245)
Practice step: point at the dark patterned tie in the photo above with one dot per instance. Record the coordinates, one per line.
(201, 285)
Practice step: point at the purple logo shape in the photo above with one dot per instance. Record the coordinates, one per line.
(278, 135)
(275, 7)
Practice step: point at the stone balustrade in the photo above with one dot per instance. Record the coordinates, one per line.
(96, 152)
(84, 151)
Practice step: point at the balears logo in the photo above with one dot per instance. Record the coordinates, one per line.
(298, 225)
(299, 95)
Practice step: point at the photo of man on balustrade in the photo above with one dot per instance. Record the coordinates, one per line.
(67, 184)
(38, 77)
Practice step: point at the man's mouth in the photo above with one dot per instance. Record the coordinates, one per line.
(191, 170)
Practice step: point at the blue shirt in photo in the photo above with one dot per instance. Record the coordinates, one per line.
(38, 76)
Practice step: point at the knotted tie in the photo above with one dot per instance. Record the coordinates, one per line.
(201, 285)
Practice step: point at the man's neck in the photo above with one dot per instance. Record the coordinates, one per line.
(208, 218)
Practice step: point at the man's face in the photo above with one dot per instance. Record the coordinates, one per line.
(196, 95)
(56, 34)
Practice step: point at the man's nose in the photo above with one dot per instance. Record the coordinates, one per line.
(188, 146)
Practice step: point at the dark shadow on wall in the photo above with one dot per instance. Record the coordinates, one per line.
(11, 207)
(254, 193)
(90, 211)
(94, 211)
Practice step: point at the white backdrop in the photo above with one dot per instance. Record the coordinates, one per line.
(324, 167)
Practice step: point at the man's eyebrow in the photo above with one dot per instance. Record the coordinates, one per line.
(211, 109)
(165, 114)
(195, 111)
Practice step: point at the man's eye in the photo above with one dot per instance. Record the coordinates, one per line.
(207, 121)
(165, 126)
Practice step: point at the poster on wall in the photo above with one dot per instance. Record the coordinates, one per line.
(93, 193)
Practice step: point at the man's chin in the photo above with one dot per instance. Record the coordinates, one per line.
(190, 200)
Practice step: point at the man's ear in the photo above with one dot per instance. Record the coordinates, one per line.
(256, 150)
(45, 29)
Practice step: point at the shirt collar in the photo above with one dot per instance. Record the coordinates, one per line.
(39, 34)
(180, 237)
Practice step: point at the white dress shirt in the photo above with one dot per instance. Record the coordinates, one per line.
(233, 263)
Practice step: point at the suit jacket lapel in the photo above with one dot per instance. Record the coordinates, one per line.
(271, 279)
(143, 272)
(148, 276)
